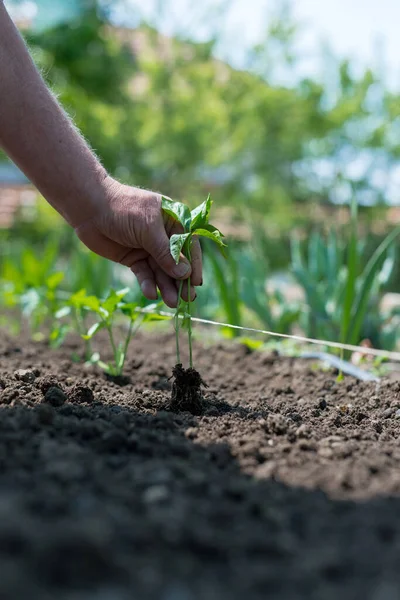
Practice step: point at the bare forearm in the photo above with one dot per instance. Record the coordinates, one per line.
(39, 137)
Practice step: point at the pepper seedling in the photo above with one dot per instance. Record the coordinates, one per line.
(195, 222)
(77, 306)
(107, 311)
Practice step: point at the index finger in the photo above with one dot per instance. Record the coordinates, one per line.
(197, 262)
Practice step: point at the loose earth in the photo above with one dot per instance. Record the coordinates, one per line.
(285, 485)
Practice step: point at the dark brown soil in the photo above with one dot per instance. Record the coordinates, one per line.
(286, 486)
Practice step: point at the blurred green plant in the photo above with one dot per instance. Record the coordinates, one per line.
(107, 311)
(198, 123)
(236, 291)
(343, 293)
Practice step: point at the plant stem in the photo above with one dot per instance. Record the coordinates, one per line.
(81, 330)
(131, 332)
(114, 349)
(176, 323)
(190, 315)
(128, 339)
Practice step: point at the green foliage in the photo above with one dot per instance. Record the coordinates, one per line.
(341, 294)
(106, 312)
(164, 113)
(236, 293)
(227, 282)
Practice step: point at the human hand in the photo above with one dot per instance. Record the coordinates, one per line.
(130, 228)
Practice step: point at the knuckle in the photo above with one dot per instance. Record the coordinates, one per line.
(162, 254)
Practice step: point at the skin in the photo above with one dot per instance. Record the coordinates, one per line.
(122, 223)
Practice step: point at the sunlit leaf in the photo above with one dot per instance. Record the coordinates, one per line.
(178, 211)
(215, 235)
(176, 243)
(63, 312)
(54, 280)
(95, 328)
(201, 214)
(92, 303)
(113, 299)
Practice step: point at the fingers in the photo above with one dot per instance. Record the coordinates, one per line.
(157, 245)
(165, 284)
(197, 262)
(184, 293)
(146, 278)
(169, 288)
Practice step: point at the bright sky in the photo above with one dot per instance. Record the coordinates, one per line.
(352, 26)
(365, 30)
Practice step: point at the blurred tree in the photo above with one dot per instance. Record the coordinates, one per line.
(165, 113)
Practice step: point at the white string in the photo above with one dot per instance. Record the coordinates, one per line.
(364, 350)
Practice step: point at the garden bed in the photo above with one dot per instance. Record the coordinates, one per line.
(286, 486)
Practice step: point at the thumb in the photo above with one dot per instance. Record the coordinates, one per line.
(158, 247)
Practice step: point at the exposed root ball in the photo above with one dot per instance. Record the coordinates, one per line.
(186, 390)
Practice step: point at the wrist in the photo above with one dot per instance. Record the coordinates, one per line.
(90, 201)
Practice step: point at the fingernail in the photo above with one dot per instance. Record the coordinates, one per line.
(181, 270)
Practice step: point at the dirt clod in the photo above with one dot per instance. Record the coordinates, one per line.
(55, 396)
(25, 375)
(186, 390)
(81, 393)
(47, 382)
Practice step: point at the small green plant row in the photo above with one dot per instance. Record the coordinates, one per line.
(47, 306)
(105, 314)
(342, 291)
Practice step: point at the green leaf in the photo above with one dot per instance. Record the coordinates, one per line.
(93, 330)
(63, 312)
(130, 309)
(78, 299)
(94, 359)
(106, 367)
(54, 280)
(57, 336)
(352, 267)
(30, 302)
(120, 357)
(176, 244)
(92, 303)
(113, 299)
(154, 317)
(178, 211)
(212, 233)
(201, 214)
(368, 277)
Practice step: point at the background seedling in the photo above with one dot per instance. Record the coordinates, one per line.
(107, 312)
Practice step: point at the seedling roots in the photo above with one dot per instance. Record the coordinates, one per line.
(186, 390)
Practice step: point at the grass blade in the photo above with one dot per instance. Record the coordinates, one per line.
(370, 271)
(352, 267)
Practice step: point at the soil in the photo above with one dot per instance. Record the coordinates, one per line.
(287, 485)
